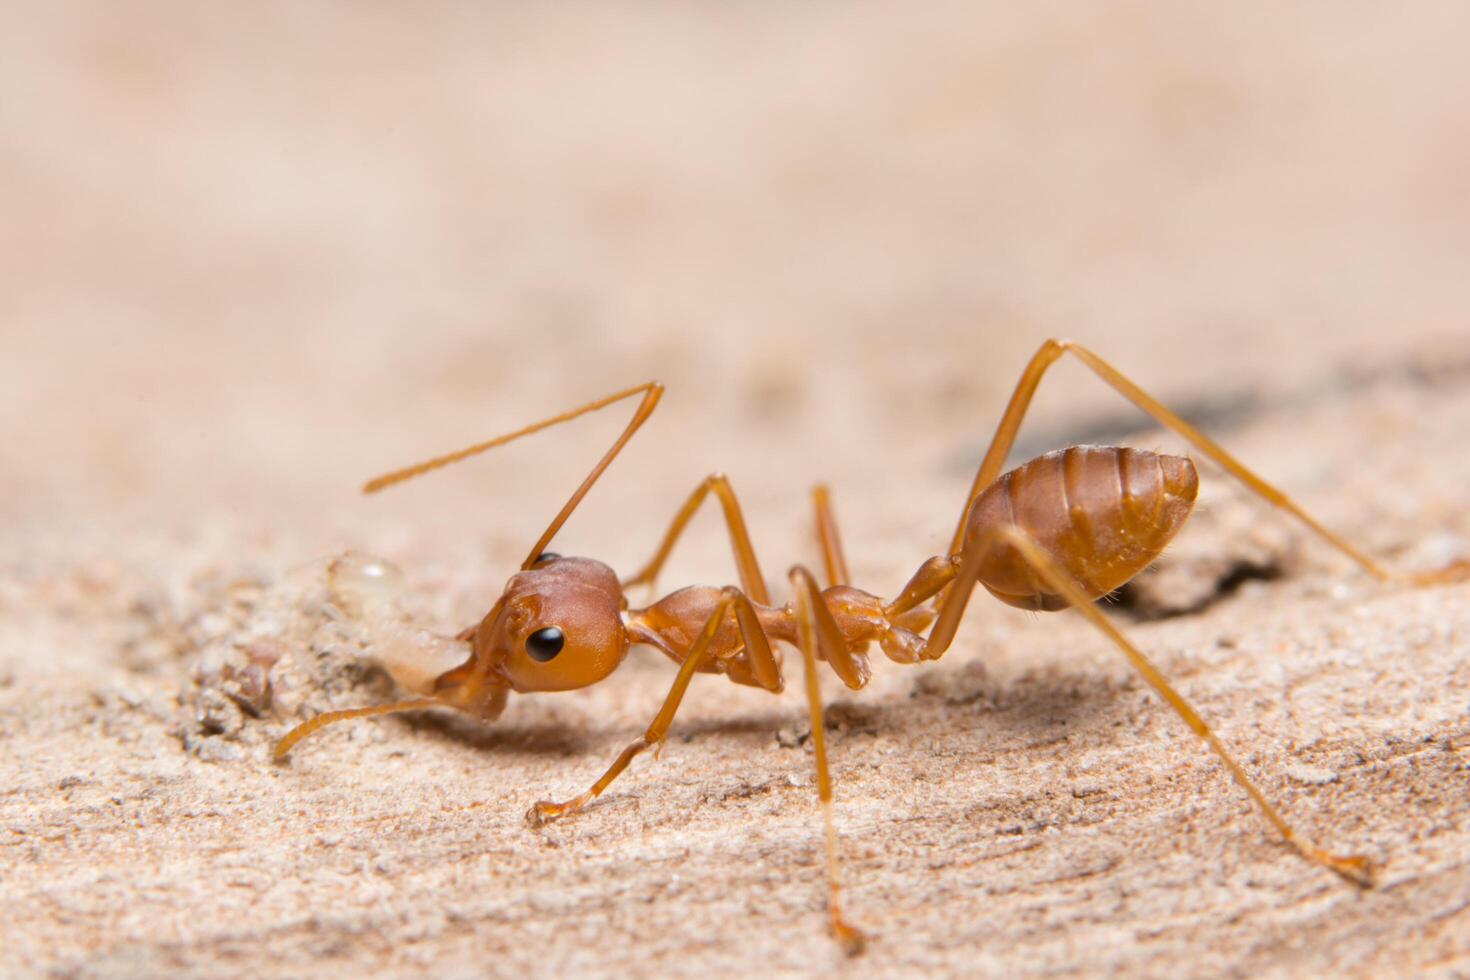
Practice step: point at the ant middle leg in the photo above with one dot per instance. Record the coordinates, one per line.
(1052, 350)
(751, 579)
(907, 611)
(816, 630)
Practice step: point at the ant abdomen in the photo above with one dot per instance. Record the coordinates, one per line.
(1102, 512)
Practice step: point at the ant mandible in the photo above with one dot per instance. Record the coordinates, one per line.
(1062, 530)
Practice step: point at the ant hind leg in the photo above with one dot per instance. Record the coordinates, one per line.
(1052, 350)
(1353, 867)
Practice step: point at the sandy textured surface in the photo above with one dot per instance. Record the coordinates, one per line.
(252, 255)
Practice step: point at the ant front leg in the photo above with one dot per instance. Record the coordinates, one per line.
(288, 741)
(764, 666)
(828, 537)
(1052, 350)
(751, 579)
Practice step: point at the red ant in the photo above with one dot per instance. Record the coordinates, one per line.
(1062, 530)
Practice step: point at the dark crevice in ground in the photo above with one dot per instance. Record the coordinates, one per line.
(1140, 601)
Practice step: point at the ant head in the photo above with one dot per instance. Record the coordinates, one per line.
(557, 627)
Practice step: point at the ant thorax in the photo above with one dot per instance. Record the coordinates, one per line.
(673, 623)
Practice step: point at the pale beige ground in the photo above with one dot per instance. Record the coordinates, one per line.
(252, 254)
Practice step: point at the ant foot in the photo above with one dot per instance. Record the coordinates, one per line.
(1456, 571)
(853, 939)
(1354, 867)
(546, 811)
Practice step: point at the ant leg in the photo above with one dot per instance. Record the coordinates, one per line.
(757, 664)
(751, 579)
(756, 645)
(289, 740)
(1353, 867)
(934, 578)
(815, 630)
(927, 582)
(1052, 350)
(651, 392)
(827, 536)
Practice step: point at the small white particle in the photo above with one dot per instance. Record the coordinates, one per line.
(1311, 775)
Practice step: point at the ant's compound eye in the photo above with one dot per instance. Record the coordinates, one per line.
(545, 557)
(544, 644)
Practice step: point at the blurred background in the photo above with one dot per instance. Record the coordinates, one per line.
(252, 254)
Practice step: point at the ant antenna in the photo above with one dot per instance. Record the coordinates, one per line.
(651, 391)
